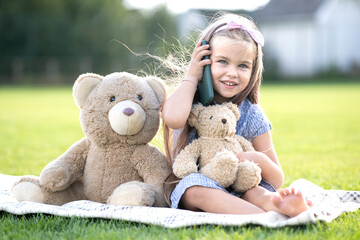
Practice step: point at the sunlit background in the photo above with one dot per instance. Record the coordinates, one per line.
(177, 7)
(52, 42)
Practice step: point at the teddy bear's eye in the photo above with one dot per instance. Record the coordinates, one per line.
(211, 117)
(112, 99)
(139, 97)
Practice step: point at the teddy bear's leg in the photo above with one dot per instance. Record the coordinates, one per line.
(248, 176)
(222, 168)
(133, 193)
(73, 193)
(28, 189)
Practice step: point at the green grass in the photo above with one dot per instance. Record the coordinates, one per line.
(316, 133)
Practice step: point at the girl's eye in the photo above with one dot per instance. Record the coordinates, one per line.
(222, 61)
(243, 66)
(139, 97)
(211, 117)
(112, 99)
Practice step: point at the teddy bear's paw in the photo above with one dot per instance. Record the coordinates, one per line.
(222, 168)
(248, 176)
(55, 179)
(181, 169)
(132, 194)
(28, 191)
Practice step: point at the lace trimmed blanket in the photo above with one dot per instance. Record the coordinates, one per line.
(328, 205)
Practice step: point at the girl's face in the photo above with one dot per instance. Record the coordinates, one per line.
(231, 67)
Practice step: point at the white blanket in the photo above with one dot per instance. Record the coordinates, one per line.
(328, 205)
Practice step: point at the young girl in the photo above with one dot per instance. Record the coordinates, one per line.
(235, 49)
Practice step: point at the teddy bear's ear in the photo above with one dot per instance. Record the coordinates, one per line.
(159, 88)
(83, 86)
(194, 114)
(234, 108)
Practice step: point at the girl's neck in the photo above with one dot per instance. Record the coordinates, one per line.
(218, 99)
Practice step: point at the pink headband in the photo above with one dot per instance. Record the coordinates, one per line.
(255, 35)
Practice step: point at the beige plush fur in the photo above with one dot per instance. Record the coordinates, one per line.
(214, 151)
(113, 163)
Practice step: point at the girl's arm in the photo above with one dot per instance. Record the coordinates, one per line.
(265, 156)
(177, 107)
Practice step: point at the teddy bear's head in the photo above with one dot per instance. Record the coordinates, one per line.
(217, 121)
(119, 107)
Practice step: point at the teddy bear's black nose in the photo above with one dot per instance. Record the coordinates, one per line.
(223, 120)
(128, 111)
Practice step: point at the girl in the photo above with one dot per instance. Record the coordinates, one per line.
(235, 49)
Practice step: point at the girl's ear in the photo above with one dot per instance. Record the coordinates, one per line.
(234, 108)
(83, 86)
(194, 115)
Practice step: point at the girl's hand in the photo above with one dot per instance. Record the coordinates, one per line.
(252, 156)
(196, 66)
(257, 157)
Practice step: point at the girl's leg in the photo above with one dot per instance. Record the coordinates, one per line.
(287, 201)
(198, 198)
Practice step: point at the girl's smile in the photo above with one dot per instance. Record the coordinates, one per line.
(229, 84)
(231, 67)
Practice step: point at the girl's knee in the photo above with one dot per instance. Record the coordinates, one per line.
(193, 193)
(192, 198)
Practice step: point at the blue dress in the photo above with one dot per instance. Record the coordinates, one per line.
(252, 123)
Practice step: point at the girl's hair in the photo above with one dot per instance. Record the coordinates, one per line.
(251, 92)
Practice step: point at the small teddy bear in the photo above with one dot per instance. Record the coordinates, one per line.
(114, 163)
(214, 150)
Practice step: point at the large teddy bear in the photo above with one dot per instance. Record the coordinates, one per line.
(214, 151)
(113, 163)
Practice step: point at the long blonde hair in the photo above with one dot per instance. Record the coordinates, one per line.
(251, 92)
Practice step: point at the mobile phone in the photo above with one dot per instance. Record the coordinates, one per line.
(205, 87)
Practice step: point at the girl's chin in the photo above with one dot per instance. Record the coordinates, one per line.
(221, 99)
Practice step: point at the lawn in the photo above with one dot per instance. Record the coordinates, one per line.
(316, 133)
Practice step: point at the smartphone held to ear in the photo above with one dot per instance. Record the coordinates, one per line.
(205, 87)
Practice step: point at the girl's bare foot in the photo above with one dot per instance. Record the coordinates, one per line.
(290, 202)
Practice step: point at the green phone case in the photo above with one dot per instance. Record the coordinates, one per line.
(205, 86)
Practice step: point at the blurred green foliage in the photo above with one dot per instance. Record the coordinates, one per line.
(43, 40)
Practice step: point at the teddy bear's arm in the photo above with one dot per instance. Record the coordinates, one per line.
(185, 161)
(246, 145)
(66, 169)
(153, 168)
(150, 163)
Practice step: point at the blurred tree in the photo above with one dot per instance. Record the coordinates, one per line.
(68, 37)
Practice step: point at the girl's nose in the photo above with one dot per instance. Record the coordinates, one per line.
(232, 73)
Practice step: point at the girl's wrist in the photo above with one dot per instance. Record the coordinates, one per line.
(192, 82)
(252, 156)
